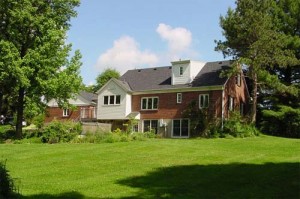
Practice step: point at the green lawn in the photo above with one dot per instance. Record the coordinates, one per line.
(259, 167)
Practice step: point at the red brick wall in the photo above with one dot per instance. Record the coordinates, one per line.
(57, 113)
(238, 92)
(168, 107)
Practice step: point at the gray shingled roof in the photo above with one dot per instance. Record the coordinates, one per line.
(160, 78)
(91, 97)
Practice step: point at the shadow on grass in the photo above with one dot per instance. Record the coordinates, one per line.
(67, 195)
(219, 181)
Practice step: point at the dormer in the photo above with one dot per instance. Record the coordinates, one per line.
(184, 72)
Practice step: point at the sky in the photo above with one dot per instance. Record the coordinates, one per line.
(131, 34)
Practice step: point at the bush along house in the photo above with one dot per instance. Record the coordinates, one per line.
(163, 99)
(84, 109)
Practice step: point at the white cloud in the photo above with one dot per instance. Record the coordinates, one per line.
(179, 41)
(124, 55)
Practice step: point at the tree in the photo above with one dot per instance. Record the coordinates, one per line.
(280, 111)
(104, 77)
(34, 59)
(254, 40)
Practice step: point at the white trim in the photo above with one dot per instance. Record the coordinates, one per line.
(179, 98)
(200, 104)
(147, 98)
(108, 100)
(66, 112)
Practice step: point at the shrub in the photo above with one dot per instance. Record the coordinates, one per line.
(58, 131)
(236, 126)
(7, 186)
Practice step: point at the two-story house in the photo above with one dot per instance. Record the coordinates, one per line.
(157, 97)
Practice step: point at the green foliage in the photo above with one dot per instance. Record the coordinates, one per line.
(282, 121)
(7, 186)
(263, 35)
(198, 119)
(112, 137)
(104, 77)
(38, 121)
(236, 126)
(34, 58)
(57, 131)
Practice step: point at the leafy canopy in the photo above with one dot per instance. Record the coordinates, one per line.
(34, 56)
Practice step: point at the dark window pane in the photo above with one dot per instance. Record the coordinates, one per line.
(176, 127)
(149, 103)
(146, 125)
(118, 99)
(184, 127)
(144, 103)
(105, 100)
(154, 126)
(112, 99)
(155, 103)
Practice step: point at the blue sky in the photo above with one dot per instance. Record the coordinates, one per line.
(129, 34)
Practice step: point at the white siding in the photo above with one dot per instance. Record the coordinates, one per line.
(195, 67)
(181, 79)
(113, 111)
(190, 71)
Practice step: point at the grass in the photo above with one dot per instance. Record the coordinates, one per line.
(258, 167)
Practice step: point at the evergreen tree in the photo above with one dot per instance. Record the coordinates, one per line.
(255, 40)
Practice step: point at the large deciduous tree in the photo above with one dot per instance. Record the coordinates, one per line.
(104, 77)
(254, 38)
(34, 56)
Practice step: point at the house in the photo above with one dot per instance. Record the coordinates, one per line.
(157, 97)
(84, 108)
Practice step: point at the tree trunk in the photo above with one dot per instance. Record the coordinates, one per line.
(20, 110)
(254, 96)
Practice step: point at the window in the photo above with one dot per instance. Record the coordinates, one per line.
(179, 98)
(238, 79)
(150, 125)
(135, 128)
(203, 100)
(242, 108)
(180, 70)
(149, 103)
(112, 100)
(181, 128)
(65, 112)
(230, 103)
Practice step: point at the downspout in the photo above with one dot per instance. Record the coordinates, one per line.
(223, 96)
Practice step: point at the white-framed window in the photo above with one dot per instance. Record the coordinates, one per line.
(112, 99)
(180, 70)
(230, 103)
(203, 100)
(150, 125)
(180, 128)
(149, 103)
(238, 79)
(65, 112)
(179, 98)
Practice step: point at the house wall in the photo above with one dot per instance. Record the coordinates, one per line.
(239, 93)
(107, 112)
(190, 71)
(57, 113)
(169, 108)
